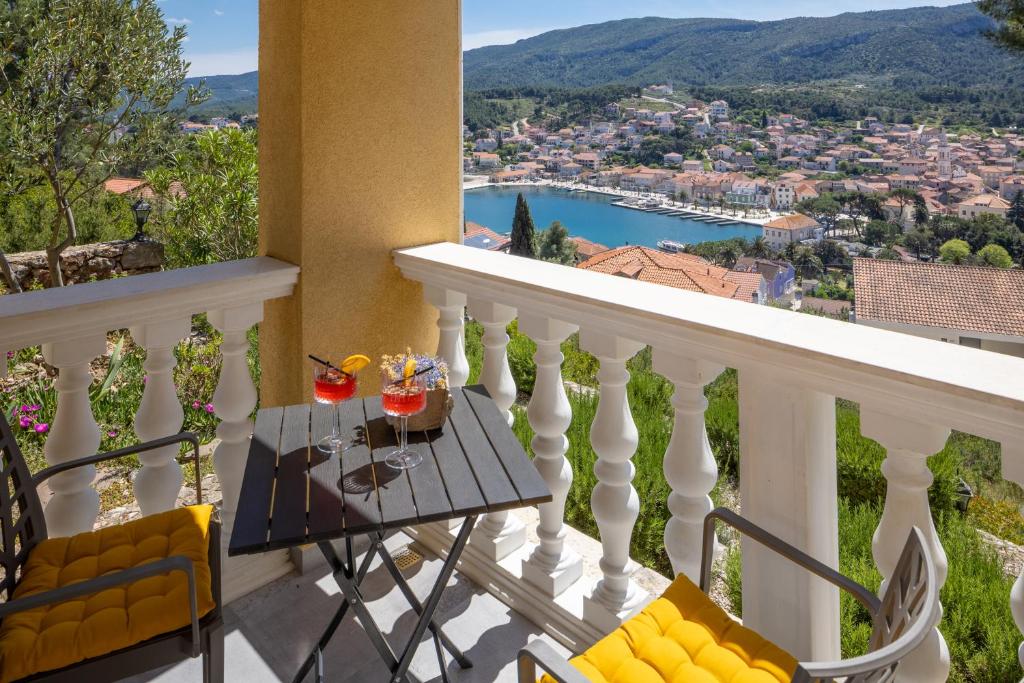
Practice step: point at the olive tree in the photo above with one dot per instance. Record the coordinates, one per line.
(85, 87)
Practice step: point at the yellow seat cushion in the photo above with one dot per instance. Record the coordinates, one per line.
(684, 637)
(61, 634)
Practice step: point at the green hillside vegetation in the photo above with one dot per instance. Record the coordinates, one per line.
(235, 94)
(900, 48)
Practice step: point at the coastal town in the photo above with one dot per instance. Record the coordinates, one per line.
(843, 211)
(752, 170)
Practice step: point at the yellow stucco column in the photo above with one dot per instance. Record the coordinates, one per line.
(360, 154)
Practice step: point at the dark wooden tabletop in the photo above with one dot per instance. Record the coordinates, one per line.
(293, 493)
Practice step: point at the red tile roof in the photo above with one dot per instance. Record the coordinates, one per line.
(683, 271)
(796, 221)
(968, 298)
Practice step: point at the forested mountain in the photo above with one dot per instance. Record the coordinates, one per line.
(227, 94)
(924, 46)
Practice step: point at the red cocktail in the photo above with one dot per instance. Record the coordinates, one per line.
(333, 387)
(403, 401)
(401, 397)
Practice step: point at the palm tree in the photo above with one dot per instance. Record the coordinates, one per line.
(806, 262)
(759, 248)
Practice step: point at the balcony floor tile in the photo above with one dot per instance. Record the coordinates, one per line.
(268, 632)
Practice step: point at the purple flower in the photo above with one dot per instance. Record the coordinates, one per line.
(25, 421)
(10, 355)
(25, 408)
(209, 407)
(112, 433)
(42, 428)
(145, 379)
(197, 405)
(34, 408)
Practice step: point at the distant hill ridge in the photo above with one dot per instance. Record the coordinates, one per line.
(902, 48)
(923, 46)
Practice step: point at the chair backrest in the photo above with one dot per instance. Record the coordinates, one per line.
(22, 525)
(908, 610)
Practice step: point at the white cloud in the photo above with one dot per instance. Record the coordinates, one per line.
(219, 12)
(219, 63)
(498, 37)
(176, 20)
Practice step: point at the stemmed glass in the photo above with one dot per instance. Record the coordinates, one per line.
(332, 386)
(401, 398)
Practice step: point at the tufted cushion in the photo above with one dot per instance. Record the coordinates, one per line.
(684, 637)
(61, 634)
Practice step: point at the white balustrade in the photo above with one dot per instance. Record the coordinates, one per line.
(74, 434)
(160, 414)
(497, 533)
(791, 368)
(233, 402)
(614, 501)
(552, 566)
(71, 325)
(908, 445)
(451, 307)
(689, 464)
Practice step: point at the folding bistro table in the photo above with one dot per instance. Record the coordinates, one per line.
(293, 494)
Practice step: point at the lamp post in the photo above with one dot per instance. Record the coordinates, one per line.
(141, 208)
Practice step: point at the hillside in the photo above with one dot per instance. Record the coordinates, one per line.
(227, 94)
(923, 46)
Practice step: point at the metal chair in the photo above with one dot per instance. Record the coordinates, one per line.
(902, 619)
(23, 528)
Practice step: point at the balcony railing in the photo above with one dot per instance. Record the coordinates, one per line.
(71, 325)
(912, 392)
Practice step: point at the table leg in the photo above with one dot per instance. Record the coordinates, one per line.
(337, 567)
(426, 617)
(396, 575)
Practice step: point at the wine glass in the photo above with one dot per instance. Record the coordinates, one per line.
(401, 398)
(332, 386)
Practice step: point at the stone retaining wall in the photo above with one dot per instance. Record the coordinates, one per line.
(90, 262)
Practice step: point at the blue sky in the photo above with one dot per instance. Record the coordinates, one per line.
(223, 33)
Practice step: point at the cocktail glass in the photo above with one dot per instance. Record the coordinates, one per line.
(402, 398)
(332, 386)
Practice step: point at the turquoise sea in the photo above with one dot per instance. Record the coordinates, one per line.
(592, 216)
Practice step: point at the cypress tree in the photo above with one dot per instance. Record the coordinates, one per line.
(1016, 213)
(523, 232)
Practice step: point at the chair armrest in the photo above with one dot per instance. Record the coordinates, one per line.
(539, 653)
(44, 474)
(777, 545)
(65, 593)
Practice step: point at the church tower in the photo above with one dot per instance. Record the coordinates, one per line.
(945, 159)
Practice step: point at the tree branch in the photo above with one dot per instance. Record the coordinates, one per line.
(8, 274)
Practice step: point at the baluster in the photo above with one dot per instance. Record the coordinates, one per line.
(450, 322)
(158, 482)
(1013, 470)
(551, 567)
(908, 445)
(233, 402)
(689, 464)
(75, 434)
(614, 501)
(498, 533)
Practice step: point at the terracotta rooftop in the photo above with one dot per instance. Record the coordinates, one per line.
(585, 248)
(796, 221)
(969, 298)
(482, 237)
(683, 271)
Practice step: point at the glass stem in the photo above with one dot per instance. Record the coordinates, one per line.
(403, 444)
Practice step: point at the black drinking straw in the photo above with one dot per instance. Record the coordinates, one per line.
(321, 361)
